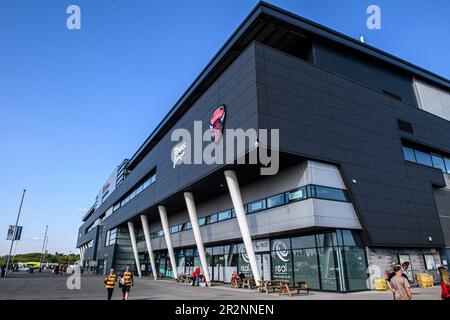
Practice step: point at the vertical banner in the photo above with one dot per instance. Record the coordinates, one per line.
(10, 233)
(18, 232)
(281, 259)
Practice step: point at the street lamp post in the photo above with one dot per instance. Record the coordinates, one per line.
(43, 246)
(14, 233)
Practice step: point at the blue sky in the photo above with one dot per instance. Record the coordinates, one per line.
(75, 103)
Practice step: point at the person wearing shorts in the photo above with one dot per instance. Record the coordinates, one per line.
(126, 281)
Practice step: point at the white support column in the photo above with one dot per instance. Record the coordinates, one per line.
(165, 225)
(134, 246)
(84, 254)
(81, 256)
(148, 241)
(235, 193)
(190, 204)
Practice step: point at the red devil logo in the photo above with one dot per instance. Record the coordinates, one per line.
(216, 123)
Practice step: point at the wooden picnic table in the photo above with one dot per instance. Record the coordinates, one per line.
(270, 285)
(249, 282)
(299, 286)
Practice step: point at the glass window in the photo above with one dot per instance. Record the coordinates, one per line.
(224, 215)
(256, 206)
(423, 158)
(430, 263)
(280, 244)
(275, 201)
(303, 242)
(330, 193)
(217, 250)
(447, 164)
(306, 266)
(296, 195)
(188, 225)
(324, 239)
(201, 221)
(233, 213)
(408, 153)
(244, 264)
(157, 234)
(356, 268)
(146, 184)
(108, 212)
(327, 269)
(111, 236)
(211, 219)
(116, 206)
(139, 189)
(438, 162)
(351, 238)
(153, 178)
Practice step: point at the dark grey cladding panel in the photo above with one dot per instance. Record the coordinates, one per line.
(323, 115)
(442, 197)
(86, 237)
(369, 73)
(89, 254)
(236, 88)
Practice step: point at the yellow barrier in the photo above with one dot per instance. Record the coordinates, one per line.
(380, 284)
(424, 280)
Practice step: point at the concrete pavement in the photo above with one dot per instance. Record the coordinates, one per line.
(45, 286)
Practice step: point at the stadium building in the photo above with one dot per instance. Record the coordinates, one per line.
(362, 183)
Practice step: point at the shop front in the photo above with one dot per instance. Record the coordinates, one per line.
(329, 261)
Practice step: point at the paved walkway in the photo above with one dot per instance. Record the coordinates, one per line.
(49, 287)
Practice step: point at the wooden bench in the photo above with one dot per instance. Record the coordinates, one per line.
(299, 286)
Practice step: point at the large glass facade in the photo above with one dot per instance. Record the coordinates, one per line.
(330, 261)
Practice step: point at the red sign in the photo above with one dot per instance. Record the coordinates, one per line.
(216, 123)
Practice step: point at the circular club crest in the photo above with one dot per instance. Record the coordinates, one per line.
(216, 123)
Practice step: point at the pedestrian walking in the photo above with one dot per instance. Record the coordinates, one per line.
(445, 283)
(400, 285)
(110, 283)
(126, 282)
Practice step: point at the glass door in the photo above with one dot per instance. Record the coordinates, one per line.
(265, 269)
(218, 268)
